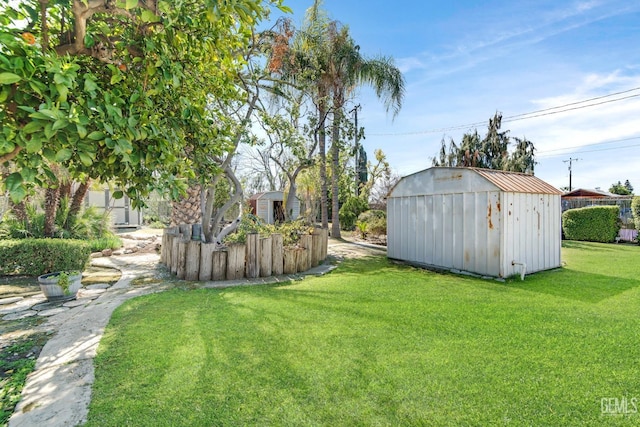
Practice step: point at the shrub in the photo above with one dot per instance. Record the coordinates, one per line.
(90, 223)
(290, 230)
(376, 221)
(593, 224)
(33, 257)
(98, 245)
(350, 210)
(635, 211)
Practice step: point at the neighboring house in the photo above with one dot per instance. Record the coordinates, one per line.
(122, 214)
(483, 221)
(270, 206)
(583, 197)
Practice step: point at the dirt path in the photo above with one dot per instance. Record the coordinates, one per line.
(342, 248)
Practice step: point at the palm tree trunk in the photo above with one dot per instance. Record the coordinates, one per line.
(76, 203)
(335, 172)
(51, 197)
(187, 209)
(19, 211)
(322, 150)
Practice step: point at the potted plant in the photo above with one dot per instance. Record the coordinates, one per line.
(61, 285)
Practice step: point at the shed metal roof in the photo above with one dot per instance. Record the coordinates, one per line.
(516, 182)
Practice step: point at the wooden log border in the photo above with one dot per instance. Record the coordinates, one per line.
(260, 257)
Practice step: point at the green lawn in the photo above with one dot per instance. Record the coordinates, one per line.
(375, 343)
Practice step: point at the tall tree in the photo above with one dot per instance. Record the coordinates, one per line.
(118, 90)
(621, 189)
(490, 152)
(346, 70)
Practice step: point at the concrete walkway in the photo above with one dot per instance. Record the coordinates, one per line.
(58, 391)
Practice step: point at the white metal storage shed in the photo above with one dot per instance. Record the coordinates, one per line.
(270, 206)
(483, 221)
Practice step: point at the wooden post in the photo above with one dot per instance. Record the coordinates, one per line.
(174, 253)
(277, 262)
(182, 259)
(289, 260)
(219, 268)
(316, 247)
(265, 256)
(235, 261)
(253, 256)
(301, 260)
(185, 229)
(324, 243)
(206, 261)
(192, 261)
(163, 248)
(306, 241)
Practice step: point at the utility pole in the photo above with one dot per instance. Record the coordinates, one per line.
(357, 147)
(570, 161)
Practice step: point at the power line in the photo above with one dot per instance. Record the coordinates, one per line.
(577, 147)
(529, 115)
(598, 149)
(578, 102)
(571, 109)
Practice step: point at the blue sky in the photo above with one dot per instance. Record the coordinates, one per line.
(465, 60)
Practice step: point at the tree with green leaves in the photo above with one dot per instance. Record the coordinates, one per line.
(490, 152)
(344, 69)
(121, 91)
(622, 189)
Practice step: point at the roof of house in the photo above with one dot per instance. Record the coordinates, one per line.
(257, 196)
(516, 182)
(593, 193)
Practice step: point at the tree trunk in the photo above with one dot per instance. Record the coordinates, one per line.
(78, 198)
(335, 174)
(187, 209)
(51, 197)
(322, 138)
(19, 211)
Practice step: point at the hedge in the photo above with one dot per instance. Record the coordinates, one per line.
(592, 224)
(635, 211)
(33, 257)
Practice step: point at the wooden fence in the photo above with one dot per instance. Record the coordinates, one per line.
(259, 257)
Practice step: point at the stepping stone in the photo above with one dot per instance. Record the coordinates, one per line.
(35, 299)
(97, 286)
(77, 302)
(90, 293)
(11, 300)
(16, 308)
(20, 315)
(52, 312)
(47, 305)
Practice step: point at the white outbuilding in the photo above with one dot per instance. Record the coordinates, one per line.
(483, 221)
(270, 206)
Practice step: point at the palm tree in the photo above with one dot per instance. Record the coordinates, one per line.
(325, 61)
(347, 70)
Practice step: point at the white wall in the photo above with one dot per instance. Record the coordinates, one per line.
(532, 232)
(457, 219)
(455, 230)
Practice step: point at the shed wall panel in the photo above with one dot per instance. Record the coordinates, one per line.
(532, 234)
(456, 219)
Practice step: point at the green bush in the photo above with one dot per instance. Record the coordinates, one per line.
(635, 211)
(33, 257)
(593, 224)
(290, 230)
(90, 223)
(350, 210)
(376, 221)
(98, 245)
